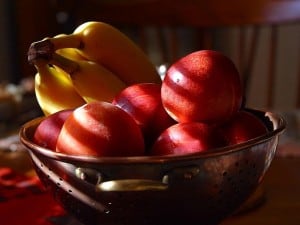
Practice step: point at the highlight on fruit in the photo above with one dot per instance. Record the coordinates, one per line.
(102, 97)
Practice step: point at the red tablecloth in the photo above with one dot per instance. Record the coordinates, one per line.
(24, 201)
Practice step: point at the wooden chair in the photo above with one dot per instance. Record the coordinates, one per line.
(204, 19)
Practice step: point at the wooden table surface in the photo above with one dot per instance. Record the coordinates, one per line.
(282, 193)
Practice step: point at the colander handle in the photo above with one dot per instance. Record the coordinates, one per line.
(132, 185)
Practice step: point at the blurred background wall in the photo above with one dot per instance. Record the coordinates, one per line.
(8, 63)
(287, 65)
(25, 21)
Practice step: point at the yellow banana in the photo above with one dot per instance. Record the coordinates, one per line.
(108, 46)
(92, 81)
(71, 53)
(54, 89)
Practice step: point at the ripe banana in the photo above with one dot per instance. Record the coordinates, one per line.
(54, 89)
(92, 81)
(71, 53)
(108, 46)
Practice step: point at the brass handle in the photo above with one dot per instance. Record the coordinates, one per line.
(132, 185)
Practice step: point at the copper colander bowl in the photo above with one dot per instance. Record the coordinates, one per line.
(201, 188)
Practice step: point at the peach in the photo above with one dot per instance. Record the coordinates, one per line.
(203, 86)
(100, 129)
(47, 131)
(242, 127)
(143, 102)
(190, 137)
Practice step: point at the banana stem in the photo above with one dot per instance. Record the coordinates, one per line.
(40, 50)
(68, 65)
(47, 47)
(67, 41)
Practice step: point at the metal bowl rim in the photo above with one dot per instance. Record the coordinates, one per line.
(25, 140)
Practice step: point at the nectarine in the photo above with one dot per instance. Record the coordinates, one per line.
(100, 129)
(47, 131)
(242, 127)
(143, 102)
(190, 137)
(203, 86)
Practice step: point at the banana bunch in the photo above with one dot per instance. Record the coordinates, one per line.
(54, 89)
(94, 63)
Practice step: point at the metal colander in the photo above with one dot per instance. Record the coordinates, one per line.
(201, 188)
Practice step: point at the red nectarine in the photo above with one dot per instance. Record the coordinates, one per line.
(143, 102)
(203, 86)
(47, 131)
(190, 137)
(242, 127)
(100, 129)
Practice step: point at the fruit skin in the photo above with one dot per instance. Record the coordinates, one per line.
(71, 53)
(203, 86)
(242, 127)
(91, 80)
(184, 138)
(143, 102)
(108, 46)
(47, 131)
(54, 90)
(100, 129)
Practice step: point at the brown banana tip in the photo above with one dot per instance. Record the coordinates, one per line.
(40, 50)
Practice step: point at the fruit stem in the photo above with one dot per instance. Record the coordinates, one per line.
(40, 50)
(46, 47)
(66, 41)
(68, 65)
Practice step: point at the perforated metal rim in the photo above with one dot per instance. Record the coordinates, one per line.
(27, 129)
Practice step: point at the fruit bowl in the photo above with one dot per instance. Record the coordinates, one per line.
(199, 188)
